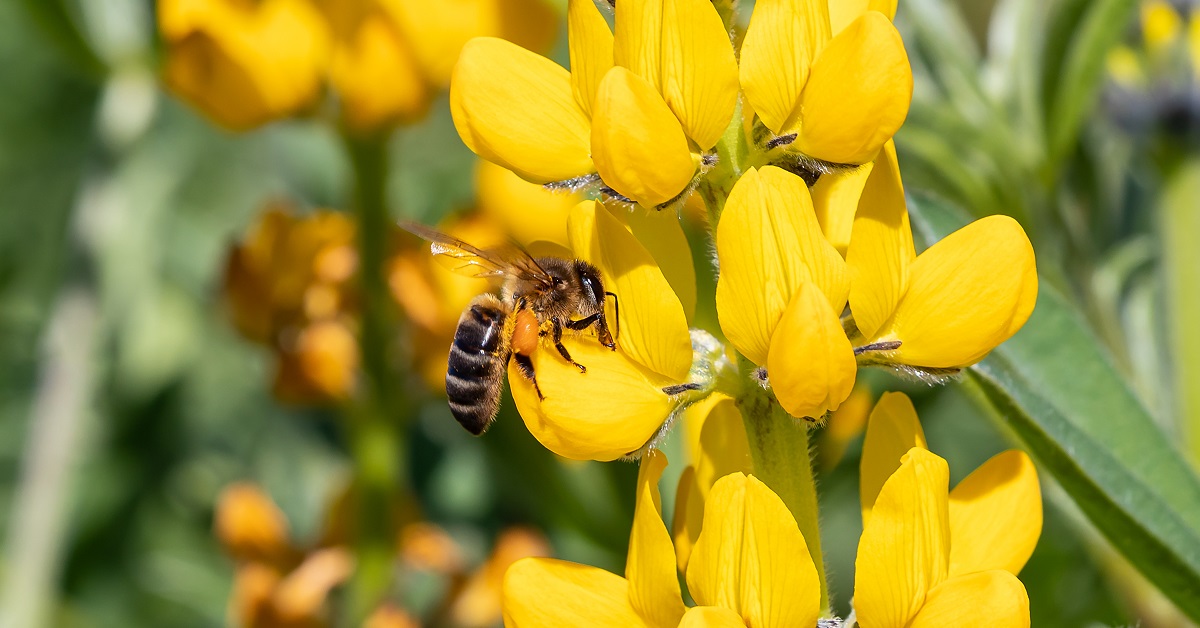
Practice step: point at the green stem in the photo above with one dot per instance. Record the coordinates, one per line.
(376, 437)
(1180, 222)
(779, 446)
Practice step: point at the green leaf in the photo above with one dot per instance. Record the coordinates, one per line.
(1055, 387)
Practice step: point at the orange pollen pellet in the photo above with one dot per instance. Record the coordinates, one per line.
(525, 333)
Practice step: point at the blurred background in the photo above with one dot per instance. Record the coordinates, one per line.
(197, 365)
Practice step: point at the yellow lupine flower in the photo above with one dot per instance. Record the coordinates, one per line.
(842, 91)
(781, 291)
(932, 557)
(618, 405)
(749, 567)
(1161, 25)
(244, 64)
(947, 307)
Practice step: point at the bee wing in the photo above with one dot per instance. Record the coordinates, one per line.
(472, 261)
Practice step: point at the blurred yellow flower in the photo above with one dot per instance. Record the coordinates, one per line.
(946, 308)
(932, 557)
(836, 89)
(244, 64)
(749, 567)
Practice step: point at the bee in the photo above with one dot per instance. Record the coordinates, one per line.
(539, 297)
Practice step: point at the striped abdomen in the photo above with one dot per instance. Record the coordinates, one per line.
(475, 369)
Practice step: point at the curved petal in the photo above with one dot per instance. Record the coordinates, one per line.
(637, 46)
(652, 327)
(525, 211)
(881, 246)
(858, 93)
(662, 235)
(516, 108)
(689, 515)
(781, 43)
(546, 592)
(835, 199)
(650, 566)
(905, 547)
(591, 49)
(603, 414)
(768, 243)
(892, 430)
(638, 145)
(811, 364)
(711, 617)
(966, 294)
(995, 516)
(250, 525)
(377, 78)
(843, 12)
(699, 72)
(750, 557)
(301, 594)
(989, 598)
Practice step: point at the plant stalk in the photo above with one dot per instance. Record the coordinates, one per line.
(1179, 222)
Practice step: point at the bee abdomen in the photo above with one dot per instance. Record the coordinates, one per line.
(475, 367)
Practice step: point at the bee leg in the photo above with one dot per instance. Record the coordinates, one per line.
(525, 365)
(558, 332)
(583, 323)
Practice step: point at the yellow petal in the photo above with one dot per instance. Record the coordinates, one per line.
(1193, 43)
(1161, 25)
(858, 93)
(892, 430)
(699, 72)
(591, 48)
(603, 414)
(439, 31)
(966, 294)
(995, 516)
(541, 592)
(653, 329)
(811, 364)
(781, 43)
(377, 78)
(662, 235)
(299, 597)
(525, 211)
(843, 12)
(638, 146)
(250, 525)
(717, 447)
(711, 617)
(835, 199)
(516, 108)
(844, 426)
(768, 243)
(881, 247)
(638, 27)
(650, 565)
(904, 550)
(752, 559)
(989, 598)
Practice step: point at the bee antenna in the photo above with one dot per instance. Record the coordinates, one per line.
(616, 310)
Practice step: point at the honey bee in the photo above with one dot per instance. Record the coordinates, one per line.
(538, 298)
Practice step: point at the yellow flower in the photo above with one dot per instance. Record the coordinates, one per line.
(946, 308)
(639, 107)
(842, 88)
(618, 405)
(929, 557)
(781, 291)
(749, 567)
(244, 64)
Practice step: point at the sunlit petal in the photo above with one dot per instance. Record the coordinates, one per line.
(835, 200)
(638, 27)
(711, 617)
(892, 430)
(525, 211)
(782, 41)
(995, 516)
(376, 77)
(881, 247)
(989, 598)
(768, 243)
(652, 327)
(858, 93)
(843, 12)
(811, 364)
(662, 234)
(603, 414)
(591, 49)
(542, 592)
(517, 109)
(904, 550)
(650, 566)
(699, 72)
(751, 557)
(957, 307)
